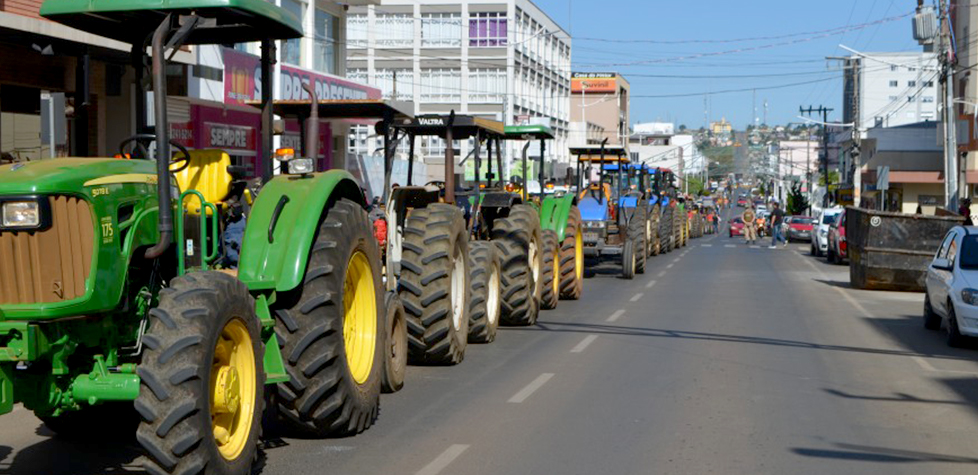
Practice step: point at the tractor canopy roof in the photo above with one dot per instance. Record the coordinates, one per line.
(463, 126)
(528, 132)
(344, 109)
(131, 21)
(593, 153)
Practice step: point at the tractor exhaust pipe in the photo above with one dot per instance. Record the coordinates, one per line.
(525, 181)
(165, 221)
(312, 125)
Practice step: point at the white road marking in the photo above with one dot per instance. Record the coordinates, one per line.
(615, 316)
(729, 245)
(584, 343)
(677, 259)
(755, 247)
(530, 388)
(650, 284)
(926, 366)
(636, 297)
(670, 266)
(443, 460)
(661, 274)
(706, 245)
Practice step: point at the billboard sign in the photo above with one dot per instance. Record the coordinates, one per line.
(588, 83)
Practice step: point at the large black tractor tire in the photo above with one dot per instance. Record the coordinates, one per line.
(332, 330)
(653, 231)
(434, 285)
(395, 346)
(637, 224)
(628, 259)
(519, 239)
(484, 291)
(550, 288)
(665, 231)
(201, 393)
(572, 257)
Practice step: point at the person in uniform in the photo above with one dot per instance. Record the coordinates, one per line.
(750, 225)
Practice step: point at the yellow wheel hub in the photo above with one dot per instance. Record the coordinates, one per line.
(556, 272)
(579, 255)
(359, 317)
(233, 388)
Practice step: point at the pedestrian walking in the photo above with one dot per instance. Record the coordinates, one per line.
(777, 218)
(965, 210)
(750, 225)
(716, 223)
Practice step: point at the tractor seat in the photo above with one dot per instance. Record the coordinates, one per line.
(210, 172)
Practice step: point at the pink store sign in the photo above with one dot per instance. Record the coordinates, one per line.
(327, 87)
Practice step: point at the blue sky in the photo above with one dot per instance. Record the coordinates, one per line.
(804, 33)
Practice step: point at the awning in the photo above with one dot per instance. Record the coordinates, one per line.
(902, 176)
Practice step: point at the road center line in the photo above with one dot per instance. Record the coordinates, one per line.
(636, 297)
(443, 460)
(530, 388)
(706, 245)
(676, 259)
(729, 245)
(661, 274)
(650, 284)
(584, 343)
(615, 316)
(670, 266)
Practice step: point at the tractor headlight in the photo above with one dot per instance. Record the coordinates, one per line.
(21, 214)
(300, 166)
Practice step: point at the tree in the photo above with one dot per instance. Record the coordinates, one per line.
(797, 203)
(682, 127)
(833, 176)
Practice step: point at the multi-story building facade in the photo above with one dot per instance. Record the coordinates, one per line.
(599, 108)
(501, 59)
(890, 89)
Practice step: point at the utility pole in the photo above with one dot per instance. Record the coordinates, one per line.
(825, 145)
(947, 59)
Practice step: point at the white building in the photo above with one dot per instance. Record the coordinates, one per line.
(500, 59)
(656, 145)
(890, 89)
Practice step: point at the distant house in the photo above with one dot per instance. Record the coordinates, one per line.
(914, 155)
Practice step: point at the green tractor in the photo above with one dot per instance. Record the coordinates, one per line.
(560, 219)
(117, 291)
(502, 240)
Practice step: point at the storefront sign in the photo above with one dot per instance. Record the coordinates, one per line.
(327, 87)
(182, 133)
(231, 138)
(242, 77)
(594, 82)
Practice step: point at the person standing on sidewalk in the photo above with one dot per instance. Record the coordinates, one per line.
(750, 225)
(777, 218)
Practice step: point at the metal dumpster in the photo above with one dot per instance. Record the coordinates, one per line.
(891, 251)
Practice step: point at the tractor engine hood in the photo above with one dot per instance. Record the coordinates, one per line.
(71, 175)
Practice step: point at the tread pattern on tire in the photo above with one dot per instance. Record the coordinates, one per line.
(321, 397)
(549, 298)
(483, 258)
(636, 232)
(395, 346)
(571, 287)
(432, 235)
(174, 394)
(520, 294)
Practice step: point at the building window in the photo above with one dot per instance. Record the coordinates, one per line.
(928, 83)
(390, 79)
(441, 30)
(487, 85)
(327, 31)
(893, 67)
(893, 98)
(440, 85)
(358, 139)
(395, 30)
(292, 49)
(910, 98)
(927, 99)
(487, 29)
(893, 84)
(356, 31)
(357, 75)
(911, 83)
(435, 146)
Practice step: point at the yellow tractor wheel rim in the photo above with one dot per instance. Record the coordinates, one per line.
(359, 317)
(233, 386)
(579, 255)
(555, 272)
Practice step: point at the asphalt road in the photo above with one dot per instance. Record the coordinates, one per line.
(720, 359)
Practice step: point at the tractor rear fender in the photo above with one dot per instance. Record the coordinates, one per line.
(283, 223)
(554, 212)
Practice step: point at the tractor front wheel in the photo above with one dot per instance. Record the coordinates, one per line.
(519, 239)
(550, 288)
(484, 285)
(572, 257)
(332, 330)
(395, 350)
(202, 381)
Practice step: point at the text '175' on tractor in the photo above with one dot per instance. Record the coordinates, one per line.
(466, 254)
(614, 214)
(560, 220)
(119, 294)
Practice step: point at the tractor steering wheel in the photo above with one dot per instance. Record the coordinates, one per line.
(139, 140)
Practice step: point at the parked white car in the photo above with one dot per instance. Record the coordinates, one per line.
(952, 286)
(820, 233)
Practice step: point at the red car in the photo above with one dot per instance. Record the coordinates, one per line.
(836, 253)
(741, 202)
(736, 227)
(799, 228)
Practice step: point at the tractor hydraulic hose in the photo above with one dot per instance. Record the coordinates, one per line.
(165, 223)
